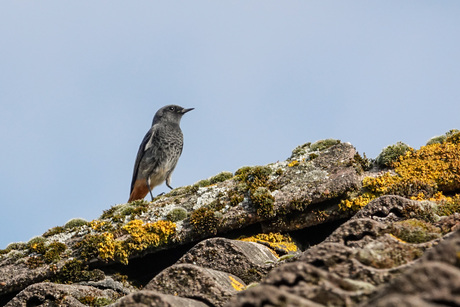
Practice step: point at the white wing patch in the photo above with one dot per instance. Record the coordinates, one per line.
(149, 142)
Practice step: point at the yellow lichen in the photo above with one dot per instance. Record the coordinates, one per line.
(293, 163)
(396, 238)
(276, 241)
(98, 225)
(133, 237)
(436, 164)
(108, 246)
(236, 284)
(380, 185)
(420, 174)
(144, 235)
(356, 203)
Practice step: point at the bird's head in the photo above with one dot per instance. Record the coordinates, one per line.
(170, 113)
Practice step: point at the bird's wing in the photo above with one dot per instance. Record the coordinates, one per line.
(146, 144)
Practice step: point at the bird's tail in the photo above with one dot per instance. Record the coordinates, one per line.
(139, 190)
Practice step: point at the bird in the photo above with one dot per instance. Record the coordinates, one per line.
(159, 152)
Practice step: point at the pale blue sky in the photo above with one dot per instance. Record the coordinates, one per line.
(80, 82)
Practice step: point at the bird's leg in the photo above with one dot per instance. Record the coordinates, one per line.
(148, 185)
(168, 181)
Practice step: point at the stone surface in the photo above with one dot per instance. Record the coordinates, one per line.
(188, 280)
(266, 295)
(393, 252)
(50, 294)
(247, 260)
(320, 286)
(154, 298)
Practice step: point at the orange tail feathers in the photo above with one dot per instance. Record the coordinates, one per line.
(139, 191)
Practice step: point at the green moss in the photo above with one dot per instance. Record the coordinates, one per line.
(263, 202)
(204, 221)
(54, 251)
(254, 177)
(323, 144)
(177, 214)
(34, 262)
(13, 246)
(74, 223)
(255, 182)
(43, 253)
(220, 177)
(415, 231)
(391, 154)
(192, 189)
(54, 231)
(298, 204)
(203, 183)
(217, 204)
(362, 162)
(36, 245)
(76, 271)
(235, 197)
(89, 247)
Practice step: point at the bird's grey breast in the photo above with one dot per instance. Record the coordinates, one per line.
(164, 146)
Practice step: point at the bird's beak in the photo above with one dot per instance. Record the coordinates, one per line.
(187, 110)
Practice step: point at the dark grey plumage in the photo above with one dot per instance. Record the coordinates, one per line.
(159, 152)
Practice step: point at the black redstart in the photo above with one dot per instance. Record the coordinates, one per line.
(159, 152)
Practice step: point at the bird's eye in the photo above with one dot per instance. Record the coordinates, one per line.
(172, 108)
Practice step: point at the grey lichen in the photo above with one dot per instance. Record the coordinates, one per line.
(391, 153)
(442, 138)
(76, 222)
(323, 144)
(177, 214)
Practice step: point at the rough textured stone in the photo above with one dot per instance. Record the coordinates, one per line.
(247, 260)
(304, 194)
(50, 294)
(320, 286)
(402, 300)
(109, 283)
(189, 280)
(433, 282)
(266, 295)
(341, 260)
(155, 298)
(15, 276)
(393, 252)
(447, 251)
(354, 231)
(386, 208)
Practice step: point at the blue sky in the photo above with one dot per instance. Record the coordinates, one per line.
(80, 82)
